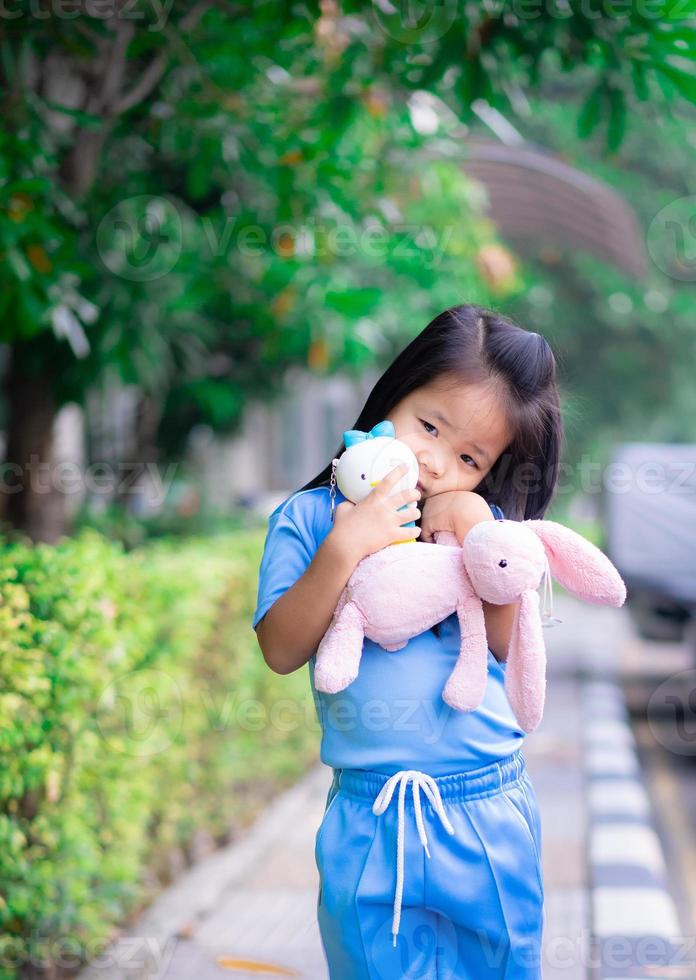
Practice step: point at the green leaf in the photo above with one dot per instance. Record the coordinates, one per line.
(640, 82)
(353, 302)
(617, 119)
(589, 114)
(671, 9)
(7, 58)
(18, 264)
(684, 83)
(667, 35)
(199, 176)
(38, 185)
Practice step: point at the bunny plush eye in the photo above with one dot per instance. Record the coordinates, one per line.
(503, 563)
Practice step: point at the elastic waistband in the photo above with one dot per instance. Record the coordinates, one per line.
(365, 784)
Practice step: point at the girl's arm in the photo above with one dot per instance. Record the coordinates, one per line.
(292, 629)
(499, 620)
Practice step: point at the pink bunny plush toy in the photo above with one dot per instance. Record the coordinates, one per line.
(402, 590)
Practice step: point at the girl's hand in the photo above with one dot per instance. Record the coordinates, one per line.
(454, 510)
(376, 521)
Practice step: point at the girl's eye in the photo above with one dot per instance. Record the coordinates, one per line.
(432, 429)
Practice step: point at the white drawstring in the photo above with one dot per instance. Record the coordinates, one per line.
(547, 619)
(431, 790)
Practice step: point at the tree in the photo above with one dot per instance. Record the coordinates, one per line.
(131, 142)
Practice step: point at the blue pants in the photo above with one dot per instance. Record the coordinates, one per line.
(424, 877)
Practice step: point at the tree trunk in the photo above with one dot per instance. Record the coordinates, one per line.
(29, 500)
(142, 454)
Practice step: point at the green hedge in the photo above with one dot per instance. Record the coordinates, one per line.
(139, 727)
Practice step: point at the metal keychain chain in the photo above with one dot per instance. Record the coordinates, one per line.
(332, 487)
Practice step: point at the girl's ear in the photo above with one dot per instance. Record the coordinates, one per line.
(579, 566)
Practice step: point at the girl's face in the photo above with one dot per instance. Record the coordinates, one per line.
(456, 434)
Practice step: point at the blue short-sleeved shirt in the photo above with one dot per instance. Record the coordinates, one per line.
(392, 716)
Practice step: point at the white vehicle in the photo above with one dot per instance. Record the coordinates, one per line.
(651, 534)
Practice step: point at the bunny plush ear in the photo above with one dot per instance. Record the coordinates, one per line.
(578, 565)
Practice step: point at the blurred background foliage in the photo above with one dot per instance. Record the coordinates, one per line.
(199, 201)
(293, 209)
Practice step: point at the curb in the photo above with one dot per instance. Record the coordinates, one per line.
(635, 926)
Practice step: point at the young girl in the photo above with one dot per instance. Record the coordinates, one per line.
(449, 885)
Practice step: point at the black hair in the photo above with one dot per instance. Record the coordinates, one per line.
(475, 345)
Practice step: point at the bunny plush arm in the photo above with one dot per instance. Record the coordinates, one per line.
(466, 685)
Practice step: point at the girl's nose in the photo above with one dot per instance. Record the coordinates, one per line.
(433, 463)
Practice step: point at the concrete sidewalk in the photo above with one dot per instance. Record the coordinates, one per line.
(256, 900)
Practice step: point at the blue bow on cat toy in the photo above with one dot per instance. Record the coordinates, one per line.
(353, 436)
